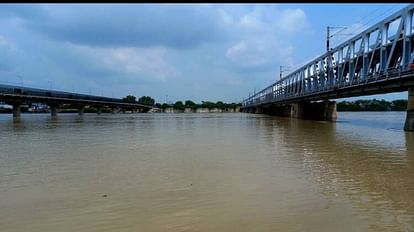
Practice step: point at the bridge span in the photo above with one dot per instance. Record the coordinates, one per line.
(377, 60)
(18, 96)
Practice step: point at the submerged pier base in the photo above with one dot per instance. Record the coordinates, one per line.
(81, 110)
(409, 120)
(322, 111)
(53, 110)
(16, 110)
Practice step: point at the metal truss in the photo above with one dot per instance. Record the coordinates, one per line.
(377, 60)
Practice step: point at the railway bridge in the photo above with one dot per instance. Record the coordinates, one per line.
(376, 61)
(18, 96)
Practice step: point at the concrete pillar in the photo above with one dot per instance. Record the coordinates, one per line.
(99, 110)
(81, 110)
(53, 110)
(16, 110)
(258, 110)
(409, 120)
(330, 111)
(297, 110)
(324, 111)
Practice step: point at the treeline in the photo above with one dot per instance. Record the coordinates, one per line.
(144, 100)
(372, 105)
(179, 105)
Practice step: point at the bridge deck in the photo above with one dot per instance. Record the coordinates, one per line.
(17, 94)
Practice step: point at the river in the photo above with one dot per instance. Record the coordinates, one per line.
(206, 172)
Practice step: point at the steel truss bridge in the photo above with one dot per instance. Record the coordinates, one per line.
(377, 60)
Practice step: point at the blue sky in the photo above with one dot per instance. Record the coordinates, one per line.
(174, 52)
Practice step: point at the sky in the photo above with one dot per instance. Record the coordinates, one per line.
(202, 52)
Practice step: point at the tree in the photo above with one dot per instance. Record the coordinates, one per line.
(146, 100)
(208, 104)
(129, 99)
(165, 106)
(220, 105)
(179, 105)
(190, 104)
(400, 105)
(158, 105)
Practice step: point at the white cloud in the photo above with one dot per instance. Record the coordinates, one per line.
(265, 37)
(292, 20)
(4, 42)
(135, 63)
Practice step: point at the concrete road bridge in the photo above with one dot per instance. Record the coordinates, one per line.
(376, 61)
(18, 96)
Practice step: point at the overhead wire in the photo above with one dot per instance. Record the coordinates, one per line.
(364, 23)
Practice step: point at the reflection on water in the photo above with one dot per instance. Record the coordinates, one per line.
(206, 172)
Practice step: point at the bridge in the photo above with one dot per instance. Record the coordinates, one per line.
(376, 61)
(18, 96)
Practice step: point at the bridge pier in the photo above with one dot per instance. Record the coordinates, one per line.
(53, 110)
(16, 110)
(323, 111)
(409, 120)
(81, 110)
(99, 110)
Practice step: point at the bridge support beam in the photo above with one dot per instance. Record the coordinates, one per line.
(409, 120)
(16, 110)
(81, 110)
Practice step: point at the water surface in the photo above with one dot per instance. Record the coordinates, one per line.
(206, 172)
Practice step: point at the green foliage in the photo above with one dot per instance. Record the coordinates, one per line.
(165, 106)
(146, 100)
(208, 104)
(372, 105)
(158, 105)
(399, 105)
(179, 105)
(220, 105)
(129, 99)
(190, 104)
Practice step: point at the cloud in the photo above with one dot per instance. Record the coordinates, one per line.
(265, 33)
(292, 20)
(4, 42)
(8, 11)
(179, 50)
(142, 64)
(179, 27)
